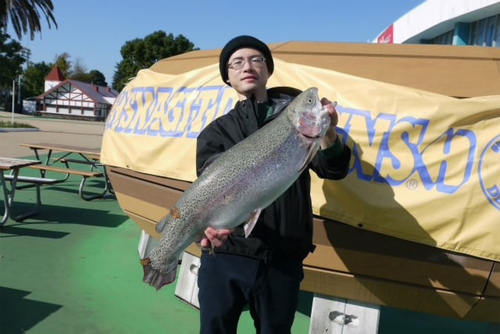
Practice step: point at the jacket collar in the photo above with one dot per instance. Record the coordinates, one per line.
(279, 96)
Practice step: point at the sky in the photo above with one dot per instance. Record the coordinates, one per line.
(93, 31)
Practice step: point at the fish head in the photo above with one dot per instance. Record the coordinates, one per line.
(309, 117)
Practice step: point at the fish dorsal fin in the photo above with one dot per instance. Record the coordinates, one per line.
(208, 162)
(250, 224)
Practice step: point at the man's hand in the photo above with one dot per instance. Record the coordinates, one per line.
(331, 134)
(214, 238)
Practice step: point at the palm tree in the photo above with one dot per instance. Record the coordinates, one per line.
(25, 15)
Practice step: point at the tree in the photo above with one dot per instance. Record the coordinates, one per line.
(62, 61)
(138, 54)
(97, 78)
(11, 58)
(34, 78)
(79, 71)
(35, 74)
(25, 15)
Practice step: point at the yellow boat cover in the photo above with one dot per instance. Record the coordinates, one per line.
(425, 167)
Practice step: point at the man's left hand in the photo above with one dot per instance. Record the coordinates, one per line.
(214, 238)
(331, 134)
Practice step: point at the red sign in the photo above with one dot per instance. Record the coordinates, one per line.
(387, 37)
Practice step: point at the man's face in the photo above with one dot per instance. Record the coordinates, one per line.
(252, 77)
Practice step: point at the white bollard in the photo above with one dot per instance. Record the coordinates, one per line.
(146, 244)
(340, 316)
(187, 281)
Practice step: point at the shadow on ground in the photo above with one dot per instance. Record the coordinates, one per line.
(54, 214)
(19, 314)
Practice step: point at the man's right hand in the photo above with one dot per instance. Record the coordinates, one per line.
(214, 238)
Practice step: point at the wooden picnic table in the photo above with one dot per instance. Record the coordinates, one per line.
(85, 153)
(13, 166)
(86, 156)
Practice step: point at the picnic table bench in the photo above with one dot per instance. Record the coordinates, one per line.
(85, 156)
(14, 165)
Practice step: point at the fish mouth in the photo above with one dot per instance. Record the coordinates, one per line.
(310, 137)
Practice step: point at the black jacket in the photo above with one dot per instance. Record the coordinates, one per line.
(284, 229)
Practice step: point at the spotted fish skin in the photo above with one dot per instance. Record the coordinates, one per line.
(240, 182)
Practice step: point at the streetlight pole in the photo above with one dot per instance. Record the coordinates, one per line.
(13, 98)
(19, 90)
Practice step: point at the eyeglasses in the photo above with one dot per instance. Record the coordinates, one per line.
(238, 63)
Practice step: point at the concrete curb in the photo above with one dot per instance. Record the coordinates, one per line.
(18, 129)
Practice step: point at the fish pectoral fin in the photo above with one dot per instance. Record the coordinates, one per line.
(211, 250)
(250, 224)
(161, 225)
(172, 215)
(310, 155)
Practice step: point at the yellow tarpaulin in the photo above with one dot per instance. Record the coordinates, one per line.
(425, 167)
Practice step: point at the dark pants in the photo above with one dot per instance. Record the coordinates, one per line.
(229, 282)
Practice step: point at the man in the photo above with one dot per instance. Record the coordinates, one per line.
(262, 271)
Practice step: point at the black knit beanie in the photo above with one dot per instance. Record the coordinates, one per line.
(242, 42)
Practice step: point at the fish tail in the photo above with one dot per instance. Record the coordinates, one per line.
(154, 277)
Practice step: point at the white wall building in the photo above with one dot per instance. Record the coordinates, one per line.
(75, 99)
(452, 22)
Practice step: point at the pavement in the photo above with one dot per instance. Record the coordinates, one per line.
(74, 267)
(78, 133)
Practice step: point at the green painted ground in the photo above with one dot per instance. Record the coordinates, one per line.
(74, 268)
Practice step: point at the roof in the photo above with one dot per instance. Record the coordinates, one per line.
(97, 93)
(459, 71)
(433, 18)
(55, 75)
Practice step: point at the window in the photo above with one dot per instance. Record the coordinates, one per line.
(496, 40)
(490, 30)
(446, 38)
(481, 32)
(473, 33)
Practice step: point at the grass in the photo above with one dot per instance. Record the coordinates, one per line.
(9, 124)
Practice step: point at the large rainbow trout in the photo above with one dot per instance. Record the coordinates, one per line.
(240, 183)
